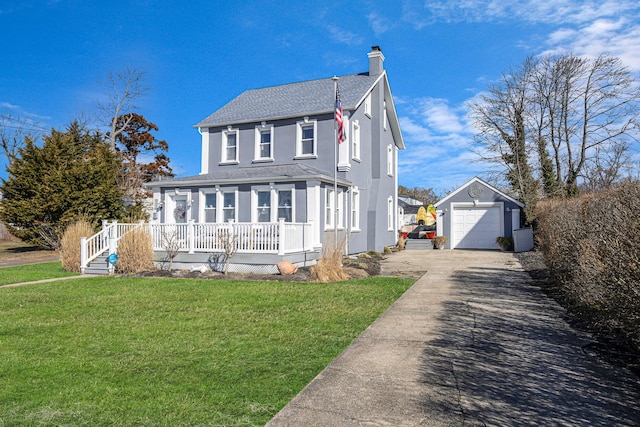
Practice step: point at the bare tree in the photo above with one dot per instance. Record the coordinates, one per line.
(171, 244)
(604, 170)
(558, 116)
(14, 131)
(229, 242)
(500, 118)
(591, 111)
(126, 89)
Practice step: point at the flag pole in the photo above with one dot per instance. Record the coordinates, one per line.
(335, 162)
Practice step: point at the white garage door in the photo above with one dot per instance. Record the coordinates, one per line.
(476, 228)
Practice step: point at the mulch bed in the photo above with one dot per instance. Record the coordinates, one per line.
(356, 268)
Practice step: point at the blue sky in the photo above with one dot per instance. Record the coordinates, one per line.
(55, 57)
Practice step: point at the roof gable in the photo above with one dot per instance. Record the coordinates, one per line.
(478, 180)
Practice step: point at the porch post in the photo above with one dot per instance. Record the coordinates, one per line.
(308, 236)
(281, 237)
(113, 242)
(191, 235)
(83, 254)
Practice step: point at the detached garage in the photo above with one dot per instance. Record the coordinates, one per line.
(475, 215)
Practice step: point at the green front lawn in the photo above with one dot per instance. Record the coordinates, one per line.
(32, 272)
(129, 351)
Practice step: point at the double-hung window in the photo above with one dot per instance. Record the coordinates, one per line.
(390, 209)
(229, 206)
(334, 209)
(264, 206)
(355, 140)
(306, 139)
(285, 205)
(264, 143)
(210, 203)
(329, 209)
(355, 209)
(230, 146)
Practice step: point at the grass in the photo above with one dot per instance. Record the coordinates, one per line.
(130, 351)
(33, 272)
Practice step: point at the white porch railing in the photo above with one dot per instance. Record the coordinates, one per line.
(106, 240)
(260, 238)
(264, 237)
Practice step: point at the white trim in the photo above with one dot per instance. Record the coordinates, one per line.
(390, 214)
(329, 208)
(223, 155)
(255, 206)
(384, 115)
(390, 162)
(478, 180)
(260, 129)
(204, 161)
(202, 205)
(367, 104)
(291, 188)
(221, 211)
(355, 140)
(299, 126)
(355, 210)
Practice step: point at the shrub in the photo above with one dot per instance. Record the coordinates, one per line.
(70, 244)
(505, 242)
(135, 252)
(591, 246)
(329, 267)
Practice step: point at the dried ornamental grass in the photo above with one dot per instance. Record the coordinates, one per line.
(135, 252)
(70, 244)
(329, 267)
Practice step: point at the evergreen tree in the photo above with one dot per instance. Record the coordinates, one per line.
(73, 174)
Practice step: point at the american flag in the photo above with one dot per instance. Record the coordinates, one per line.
(339, 119)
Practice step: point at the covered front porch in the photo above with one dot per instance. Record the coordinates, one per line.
(251, 247)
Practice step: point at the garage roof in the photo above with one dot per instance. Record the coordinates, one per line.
(478, 180)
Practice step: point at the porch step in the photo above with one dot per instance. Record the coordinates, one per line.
(417, 244)
(98, 266)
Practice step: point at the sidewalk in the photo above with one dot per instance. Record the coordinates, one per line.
(470, 343)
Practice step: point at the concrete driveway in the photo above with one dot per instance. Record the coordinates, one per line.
(471, 343)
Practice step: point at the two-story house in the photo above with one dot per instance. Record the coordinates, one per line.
(270, 156)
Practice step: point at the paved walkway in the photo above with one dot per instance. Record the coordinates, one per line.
(472, 342)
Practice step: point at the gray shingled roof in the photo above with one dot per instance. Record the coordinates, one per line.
(249, 174)
(291, 100)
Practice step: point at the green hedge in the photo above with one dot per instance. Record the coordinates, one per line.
(591, 246)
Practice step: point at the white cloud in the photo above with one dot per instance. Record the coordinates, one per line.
(378, 23)
(620, 37)
(19, 112)
(583, 27)
(533, 11)
(343, 36)
(439, 151)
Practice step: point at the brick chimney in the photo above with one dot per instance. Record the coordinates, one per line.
(376, 58)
